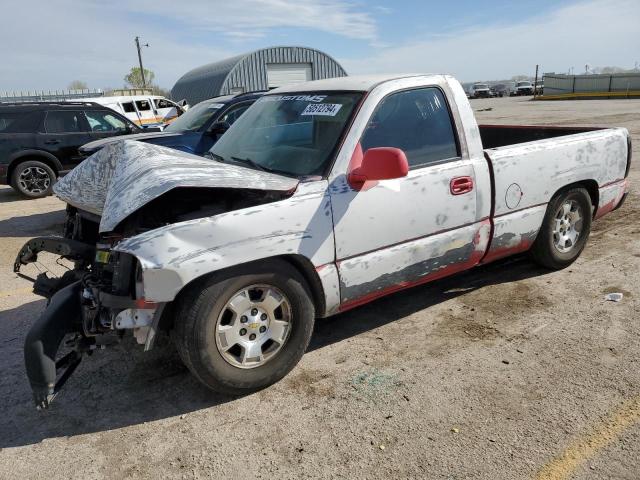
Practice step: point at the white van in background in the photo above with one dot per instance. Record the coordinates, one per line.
(143, 110)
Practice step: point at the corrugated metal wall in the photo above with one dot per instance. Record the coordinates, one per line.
(619, 82)
(50, 95)
(249, 72)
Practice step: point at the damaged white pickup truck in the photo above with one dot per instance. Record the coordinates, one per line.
(321, 197)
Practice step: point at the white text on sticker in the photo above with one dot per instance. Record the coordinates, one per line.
(328, 109)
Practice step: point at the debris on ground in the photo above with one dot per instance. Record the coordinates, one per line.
(613, 297)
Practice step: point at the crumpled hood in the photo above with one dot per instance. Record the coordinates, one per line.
(124, 176)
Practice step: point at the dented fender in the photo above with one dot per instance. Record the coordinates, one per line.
(174, 255)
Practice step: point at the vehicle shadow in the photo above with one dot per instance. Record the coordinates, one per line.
(123, 386)
(36, 224)
(8, 194)
(404, 303)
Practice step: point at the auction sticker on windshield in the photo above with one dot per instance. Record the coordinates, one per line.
(328, 109)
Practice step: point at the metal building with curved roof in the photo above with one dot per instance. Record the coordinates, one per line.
(259, 70)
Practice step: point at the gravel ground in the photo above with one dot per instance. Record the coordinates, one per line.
(504, 372)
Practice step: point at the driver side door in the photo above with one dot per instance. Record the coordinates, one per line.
(392, 234)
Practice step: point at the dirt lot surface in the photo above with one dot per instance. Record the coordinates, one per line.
(505, 372)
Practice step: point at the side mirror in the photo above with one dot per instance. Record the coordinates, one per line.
(381, 163)
(218, 128)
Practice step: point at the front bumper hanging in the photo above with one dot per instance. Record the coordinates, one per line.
(62, 316)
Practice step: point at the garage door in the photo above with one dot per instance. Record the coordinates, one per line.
(279, 74)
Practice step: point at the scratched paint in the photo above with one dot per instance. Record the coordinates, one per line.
(609, 197)
(174, 255)
(328, 275)
(515, 232)
(543, 167)
(363, 243)
(409, 262)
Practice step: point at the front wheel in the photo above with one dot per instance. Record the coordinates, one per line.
(245, 330)
(33, 179)
(565, 229)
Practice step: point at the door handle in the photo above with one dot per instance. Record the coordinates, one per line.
(460, 185)
(52, 142)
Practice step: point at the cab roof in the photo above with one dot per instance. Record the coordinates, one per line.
(355, 83)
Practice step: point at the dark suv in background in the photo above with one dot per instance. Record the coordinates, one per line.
(40, 141)
(196, 130)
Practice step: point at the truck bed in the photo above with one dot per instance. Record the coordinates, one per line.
(529, 164)
(494, 136)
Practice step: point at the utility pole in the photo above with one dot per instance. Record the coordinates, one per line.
(535, 83)
(144, 83)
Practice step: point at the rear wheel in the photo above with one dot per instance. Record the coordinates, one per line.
(565, 229)
(33, 179)
(246, 330)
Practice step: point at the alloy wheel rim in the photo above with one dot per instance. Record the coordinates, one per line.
(34, 180)
(253, 326)
(567, 226)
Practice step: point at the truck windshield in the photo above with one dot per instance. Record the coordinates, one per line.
(290, 134)
(194, 118)
(481, 86)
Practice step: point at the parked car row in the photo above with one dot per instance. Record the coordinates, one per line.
(321, 197)
(40, 142)
(521, 88)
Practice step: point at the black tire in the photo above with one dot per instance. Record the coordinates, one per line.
(545, 250)
(197, 314)
(33, 179)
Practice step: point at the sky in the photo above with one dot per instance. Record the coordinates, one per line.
(46, 44)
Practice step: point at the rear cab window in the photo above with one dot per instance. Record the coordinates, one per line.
(417, 122)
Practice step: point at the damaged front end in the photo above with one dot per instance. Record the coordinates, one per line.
(88, 308)
(122, 191)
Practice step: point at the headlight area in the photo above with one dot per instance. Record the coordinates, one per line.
(105, 299)
(113, 298)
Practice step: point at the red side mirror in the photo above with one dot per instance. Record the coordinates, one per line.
(381, 163)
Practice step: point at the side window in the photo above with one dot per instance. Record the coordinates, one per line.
(233, 113)
(63, 121)
(128, 107)
(415, 121)
(163, 103)
(104, 121)
(143, 105)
